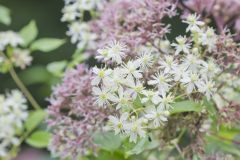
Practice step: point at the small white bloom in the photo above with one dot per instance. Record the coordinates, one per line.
(81, 33)
(182, 45)
(103, 96)
(209, 69)
(161, 80)
(131, 70)
(207, 87)
(145, 59)
(9, 38)
(135, 128)
(193, 22)
(192, 62)
(118, 124)
(123, 99)
(178, 72)
(21, 58)
(70, 12)
(166, 101)
(168, 64)
(136, 87)
(150, 96)
(208, 38)
(101, 75)
(157, 115)
(191, 81)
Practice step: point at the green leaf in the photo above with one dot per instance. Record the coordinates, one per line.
(29, 33)
(57, 68)
(46, 44)
(143, 144)
(29, 78)
(186, 106)
(39, 139)
(214, 144)
(5, 15)
(34, 119)
(107, 140)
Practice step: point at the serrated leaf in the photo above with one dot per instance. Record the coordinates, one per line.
(57, 68)
(186, 106)
(5, 17)
(29, 33)
(46, 44)
(34, 119)
(39, 139)
(107, 140)
(139, 147)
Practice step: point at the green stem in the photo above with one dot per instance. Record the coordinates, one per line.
(23, 88)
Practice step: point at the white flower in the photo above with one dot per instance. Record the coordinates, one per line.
(150, 96)
(145, 59)
(161, 80)
(13, 112)
(209, 69)
(178, 72)
(103, 96)
(166, 101)
(115, 51)
(135, 128)
(136, 87)
(81, 33)
(193, 22)
(21, 58)
(157, 115)
(87, 4)
(181, 45)
(131, 69)
(208, 38)
(165, 46)
(118, 125)
(207, 87)
(70, 12)
(168, 64)
(192, 62)
(191, 81)
(101, 75)
(9, 38)
(123, 99)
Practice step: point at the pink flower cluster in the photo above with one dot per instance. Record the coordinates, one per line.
(73, 117)
(134, 22)
(224, 12)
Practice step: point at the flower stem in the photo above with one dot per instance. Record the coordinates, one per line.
(23, 89)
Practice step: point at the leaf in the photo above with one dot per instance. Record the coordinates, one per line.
(186, 106)
(139, 147)
(143, 144)
(46, 44)
(34, 119)
(214, 144)
(5, 15)
(39, 139)
(29, 33)
(107, 140)
(29, 76)
(56, 68)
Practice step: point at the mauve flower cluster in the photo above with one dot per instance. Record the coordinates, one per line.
(134, 22)
(224, 12)
(72, 115)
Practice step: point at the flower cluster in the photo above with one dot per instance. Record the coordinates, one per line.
(225, 13)
(134, 22)
(73, 13)
(13, 112)
(73, 117)
(18, 57)
(144, 88)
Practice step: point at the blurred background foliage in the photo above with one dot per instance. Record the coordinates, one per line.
(47, 14)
